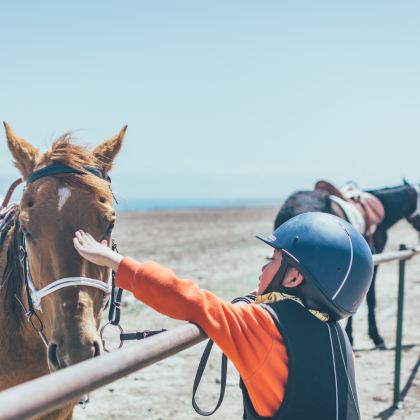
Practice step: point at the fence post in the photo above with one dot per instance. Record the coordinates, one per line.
(398, 340)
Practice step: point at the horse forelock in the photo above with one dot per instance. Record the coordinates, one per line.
(64, 151)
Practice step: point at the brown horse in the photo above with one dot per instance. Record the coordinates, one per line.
(53, 206)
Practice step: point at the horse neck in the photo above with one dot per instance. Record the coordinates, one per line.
(13, 326)
(398, 202)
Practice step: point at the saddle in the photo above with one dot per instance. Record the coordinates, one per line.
(362, 209)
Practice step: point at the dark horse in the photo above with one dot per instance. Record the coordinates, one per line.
(399, 202)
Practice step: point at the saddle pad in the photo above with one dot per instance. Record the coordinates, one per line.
(352, 213)
(370, 206)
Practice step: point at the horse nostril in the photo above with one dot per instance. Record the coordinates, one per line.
(96, 348)
(52, 356)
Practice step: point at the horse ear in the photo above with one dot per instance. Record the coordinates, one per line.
(24, 154)
(105, 153)
(406, 183)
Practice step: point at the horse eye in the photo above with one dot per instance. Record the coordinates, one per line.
(27, 234)
(110, 228)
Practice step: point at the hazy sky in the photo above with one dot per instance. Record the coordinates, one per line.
(223, 99)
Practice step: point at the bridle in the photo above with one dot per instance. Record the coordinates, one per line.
(34, 296)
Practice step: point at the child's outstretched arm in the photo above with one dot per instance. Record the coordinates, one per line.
(246, 334)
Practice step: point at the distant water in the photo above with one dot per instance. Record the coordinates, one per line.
(160, 204)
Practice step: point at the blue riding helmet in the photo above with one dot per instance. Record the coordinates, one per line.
(333, 257)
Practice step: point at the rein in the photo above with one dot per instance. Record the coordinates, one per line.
(223, 369)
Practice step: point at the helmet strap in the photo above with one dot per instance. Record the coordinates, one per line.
(276, 285)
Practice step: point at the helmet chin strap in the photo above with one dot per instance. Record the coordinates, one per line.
(276, 284)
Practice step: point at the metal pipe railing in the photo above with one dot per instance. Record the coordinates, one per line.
(397, 255)
(44, 394)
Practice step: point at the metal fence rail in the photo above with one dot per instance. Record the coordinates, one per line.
(397, 255)
(49, 392)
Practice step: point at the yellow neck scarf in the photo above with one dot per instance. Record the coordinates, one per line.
(278, 296)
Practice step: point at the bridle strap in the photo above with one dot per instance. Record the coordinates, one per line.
(38, 325)
(59, 168)
(114, 313)
(55, 169)
(10, 192)
(37, 295)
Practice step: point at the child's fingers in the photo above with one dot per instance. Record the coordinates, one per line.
(79, 236)
(76, 244)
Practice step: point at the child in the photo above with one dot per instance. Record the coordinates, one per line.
(293, 357)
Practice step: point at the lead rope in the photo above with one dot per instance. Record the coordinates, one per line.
(223, 368)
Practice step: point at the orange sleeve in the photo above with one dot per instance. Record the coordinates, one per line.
(246, 334)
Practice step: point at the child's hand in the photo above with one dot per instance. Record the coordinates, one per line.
(96, 252)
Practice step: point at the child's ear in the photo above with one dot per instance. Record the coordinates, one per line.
(293, 278)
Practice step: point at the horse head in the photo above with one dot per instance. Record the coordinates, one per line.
(414, 216)
(52, 208)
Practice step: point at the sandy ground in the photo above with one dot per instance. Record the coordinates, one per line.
(217, 248)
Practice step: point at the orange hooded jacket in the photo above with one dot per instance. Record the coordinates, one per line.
(246, 334)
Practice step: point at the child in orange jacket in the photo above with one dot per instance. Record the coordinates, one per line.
(289, 339)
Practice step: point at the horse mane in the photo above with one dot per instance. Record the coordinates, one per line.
(388, 190)
(64, 151)
(13, 276)
(392, 195)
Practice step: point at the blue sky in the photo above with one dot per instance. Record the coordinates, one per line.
(223, 99)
